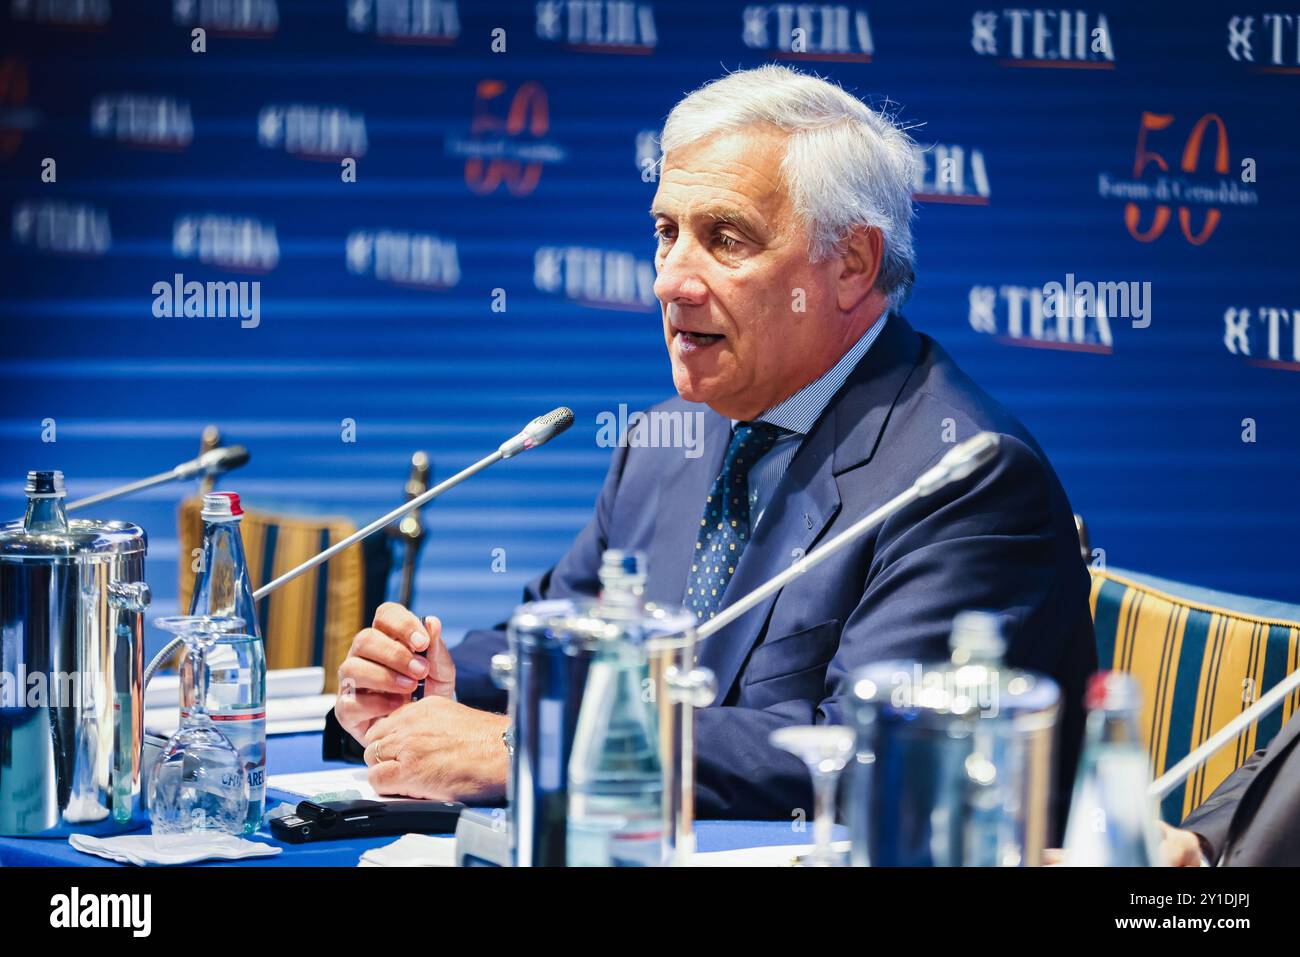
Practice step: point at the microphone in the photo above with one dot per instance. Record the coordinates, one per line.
(210, 463)
(961, 462)
(213, 462)
(537, 432)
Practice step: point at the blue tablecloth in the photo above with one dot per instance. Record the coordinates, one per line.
(301, 752)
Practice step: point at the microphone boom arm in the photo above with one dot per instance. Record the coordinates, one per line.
(377, 524)
(962, 461)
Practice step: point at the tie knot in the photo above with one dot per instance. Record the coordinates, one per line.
(751, 441)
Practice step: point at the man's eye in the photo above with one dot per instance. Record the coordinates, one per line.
(661, 235)
(729, 243)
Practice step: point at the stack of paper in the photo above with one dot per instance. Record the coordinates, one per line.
(294, 702)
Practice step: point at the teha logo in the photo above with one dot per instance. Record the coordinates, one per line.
(65, 229)
(131, 911)
(951, 174)
(425, 22)
(809, 31)
(420, 260)
(601, 278)
(312, 132)
(512, 149)
(237, 243)
(66, 14)
(1199, 197)
(1268, 336)
(1270, 42)
(229, 18)
(1038, 317)
(598, 26)
(142, 121)
(1061, 39)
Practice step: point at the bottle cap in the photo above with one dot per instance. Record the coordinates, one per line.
(618, 563)
(221, 507)
(1112, 691)
(45, 484)
(976, 637)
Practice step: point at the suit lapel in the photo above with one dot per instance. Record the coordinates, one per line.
(807, 498)
(803, 503)
(681, 503)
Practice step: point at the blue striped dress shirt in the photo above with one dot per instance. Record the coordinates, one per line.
(797, 415)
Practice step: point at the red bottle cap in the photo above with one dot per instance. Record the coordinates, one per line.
(1112, 691)
(221, 507)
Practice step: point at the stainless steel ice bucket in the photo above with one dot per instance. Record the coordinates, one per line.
(72, 597)
(552, 644)
(954, 759)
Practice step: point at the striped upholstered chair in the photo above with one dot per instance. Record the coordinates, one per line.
(1201, 657)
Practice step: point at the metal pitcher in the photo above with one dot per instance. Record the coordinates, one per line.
(552, 644)
(954, 759)
(72, 598)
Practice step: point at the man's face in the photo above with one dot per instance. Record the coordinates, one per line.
(747, 319)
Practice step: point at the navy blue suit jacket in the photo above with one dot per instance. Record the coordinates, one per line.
(1004, 540)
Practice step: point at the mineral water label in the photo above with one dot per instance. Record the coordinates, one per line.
(550, 719)
(247, 732)
(256, 784)
(230, 716)
(636, 848)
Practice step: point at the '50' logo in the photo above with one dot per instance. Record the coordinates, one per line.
(1191, 156)
(528, 111)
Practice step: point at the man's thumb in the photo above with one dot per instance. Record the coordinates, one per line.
(442, 670)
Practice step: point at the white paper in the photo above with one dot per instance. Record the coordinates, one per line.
(310, 783)
(283, 715)
(413, 850)
(164, 690)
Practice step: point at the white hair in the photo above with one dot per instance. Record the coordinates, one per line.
(845, 164)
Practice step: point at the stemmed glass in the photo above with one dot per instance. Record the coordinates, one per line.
(198, 782)
(825, 749)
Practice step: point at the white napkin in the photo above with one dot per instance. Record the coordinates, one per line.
(413, 850)
(171, 848)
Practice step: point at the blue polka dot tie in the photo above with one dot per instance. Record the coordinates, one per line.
(724, 529)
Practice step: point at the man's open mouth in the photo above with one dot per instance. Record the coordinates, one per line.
(697, 340)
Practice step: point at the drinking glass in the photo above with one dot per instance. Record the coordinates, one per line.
(825, 749)
(198, 782)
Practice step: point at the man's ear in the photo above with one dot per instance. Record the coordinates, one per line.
(859, 265)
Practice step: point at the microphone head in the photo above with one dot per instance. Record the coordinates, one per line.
(970, 455)
(546, 427)
(538, 432)
(214, 462)
(224, 459)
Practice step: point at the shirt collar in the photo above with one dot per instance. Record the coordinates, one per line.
(800, 412)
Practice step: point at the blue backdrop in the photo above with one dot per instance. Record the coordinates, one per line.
(493, 257)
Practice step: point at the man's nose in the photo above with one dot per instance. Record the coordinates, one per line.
(678, 278)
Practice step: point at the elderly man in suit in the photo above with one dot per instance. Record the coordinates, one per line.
(783, 231)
